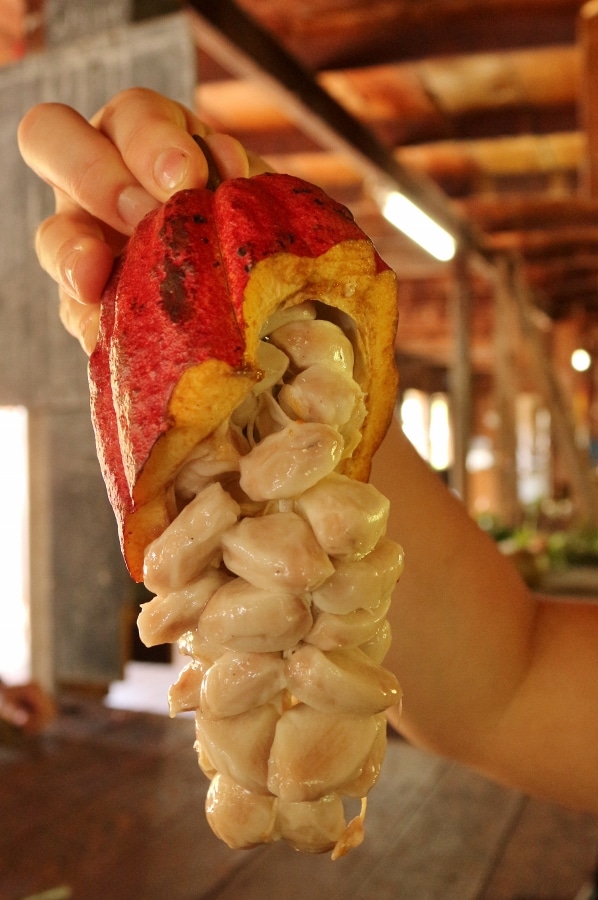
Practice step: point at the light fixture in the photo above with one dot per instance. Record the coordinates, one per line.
(409, 218)
(581, 360)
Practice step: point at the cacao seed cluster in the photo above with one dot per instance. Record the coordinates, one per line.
(275, 577)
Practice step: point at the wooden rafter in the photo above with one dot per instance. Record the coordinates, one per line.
(328, 33)
(421, 101)
(488, 120)
(242, 46)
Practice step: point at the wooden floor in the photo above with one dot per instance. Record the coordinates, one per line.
(109, 806)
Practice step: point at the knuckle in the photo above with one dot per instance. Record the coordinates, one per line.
(81, 181)
(43, 236)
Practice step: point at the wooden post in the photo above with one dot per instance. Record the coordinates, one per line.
(588, 96)
(460, 375)
(41, 576)
(505, 350)
(578, 469)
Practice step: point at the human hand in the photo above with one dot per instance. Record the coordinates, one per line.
(106, 175)
(26, 706)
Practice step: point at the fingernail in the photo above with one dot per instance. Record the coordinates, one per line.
(170, 169)
(88, 329)
(69, 278)
(134, 203)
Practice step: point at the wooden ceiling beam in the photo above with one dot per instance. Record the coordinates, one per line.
(454, 87)
(459, 168)
(571, 265)
(346, 122)
(249, 51)
(525, 154)
(519, 212)
(420, 102)
(543, 243)
(378, 30)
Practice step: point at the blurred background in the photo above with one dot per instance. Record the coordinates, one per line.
(463, 136)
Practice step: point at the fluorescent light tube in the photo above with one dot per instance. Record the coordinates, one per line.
(417, 225)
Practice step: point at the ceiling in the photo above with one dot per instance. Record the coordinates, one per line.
(486, 110)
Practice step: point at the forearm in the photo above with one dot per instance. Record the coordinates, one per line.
(492, 676)
(462, 619)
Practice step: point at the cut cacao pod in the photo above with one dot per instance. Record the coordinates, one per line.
(181, 321)
(243, 378)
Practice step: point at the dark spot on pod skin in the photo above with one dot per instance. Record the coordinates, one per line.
(318, 201)
(137, 305)
(216, 263)
(174, 296)
(199, 219)
(174, 231)
(242, 251)
(302, 190)
(248, 267)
